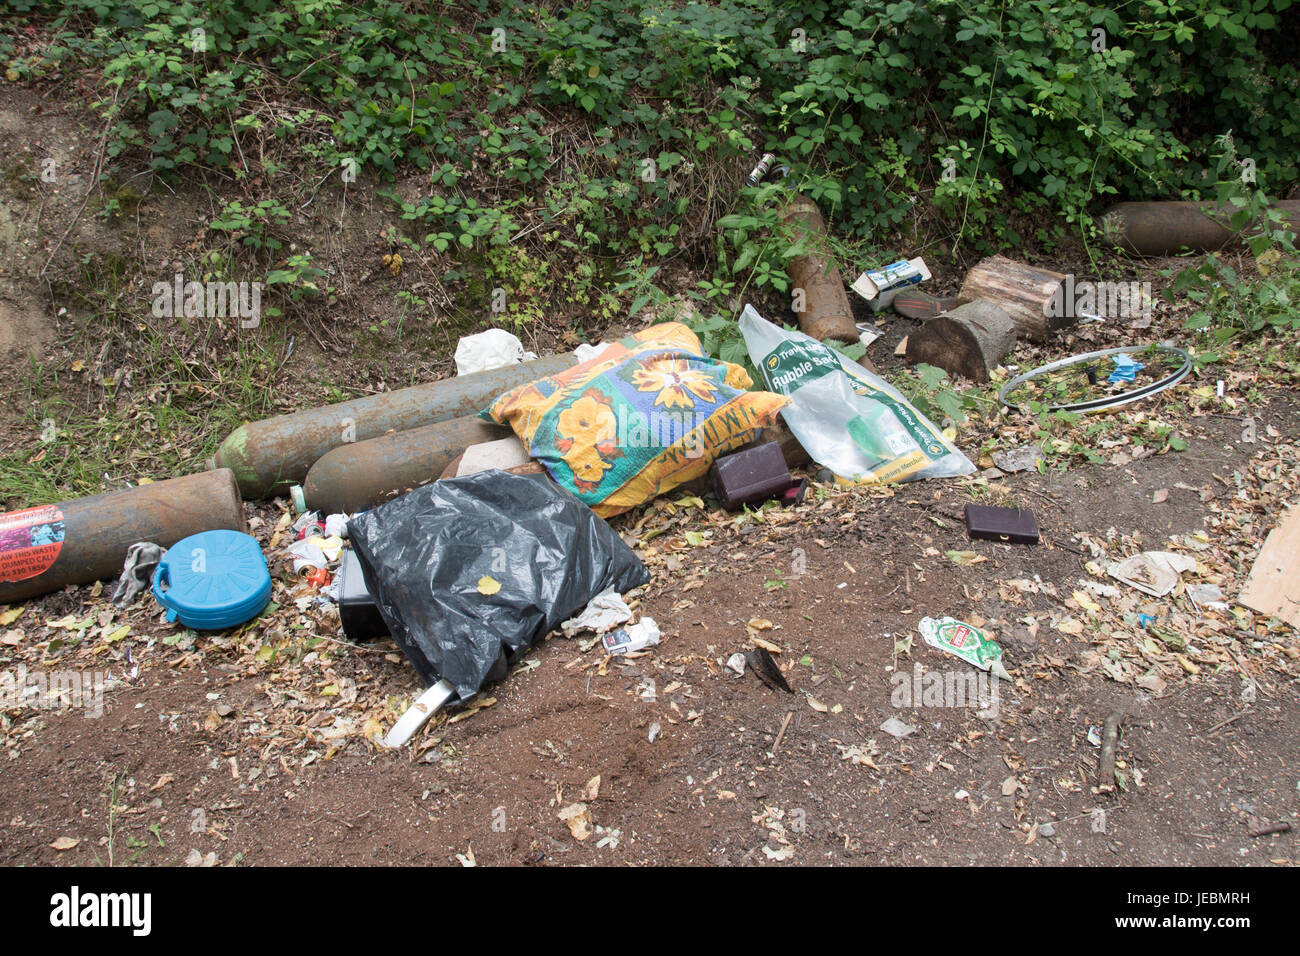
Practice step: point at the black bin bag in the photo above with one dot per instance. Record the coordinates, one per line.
(424, 554)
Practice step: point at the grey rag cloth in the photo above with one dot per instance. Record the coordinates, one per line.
(141, 560)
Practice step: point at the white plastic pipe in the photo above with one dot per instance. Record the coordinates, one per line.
(419, 714)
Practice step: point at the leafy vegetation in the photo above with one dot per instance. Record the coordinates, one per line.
(976, 109)
(1228, 306)
(576, 157)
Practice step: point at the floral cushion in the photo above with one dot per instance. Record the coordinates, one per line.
(642, 417)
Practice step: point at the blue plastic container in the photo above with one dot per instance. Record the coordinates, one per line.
(213, 580)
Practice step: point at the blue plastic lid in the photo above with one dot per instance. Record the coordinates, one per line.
(213, 580)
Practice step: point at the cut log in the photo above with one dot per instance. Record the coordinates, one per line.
(826, 313)
(1024, 292)
(970, 340)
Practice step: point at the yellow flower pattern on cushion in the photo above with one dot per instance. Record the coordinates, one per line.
(582, 451)
(675, 381)
(586, 433)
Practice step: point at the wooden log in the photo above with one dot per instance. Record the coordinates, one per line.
(1022, 291)
(970, 340)
(1109, 743)
(826, 313)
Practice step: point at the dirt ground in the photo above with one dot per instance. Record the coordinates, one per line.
(1209, 762)
(256, 747)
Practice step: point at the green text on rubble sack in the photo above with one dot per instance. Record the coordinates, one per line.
(793, 364)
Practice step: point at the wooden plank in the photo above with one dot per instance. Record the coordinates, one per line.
(1273, 587)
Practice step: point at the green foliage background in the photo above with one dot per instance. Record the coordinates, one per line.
(1043, 106)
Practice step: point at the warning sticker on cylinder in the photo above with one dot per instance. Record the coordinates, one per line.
(29, 542)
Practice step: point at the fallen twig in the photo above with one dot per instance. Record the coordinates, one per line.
(94, 181)
(1282, 827)
(1223, 723)
(781, 733)
(1109, 741)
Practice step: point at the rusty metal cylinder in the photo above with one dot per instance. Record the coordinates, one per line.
(269, 455)
(1164, 228)
(356, 476)
(826, 313)
(75, 542)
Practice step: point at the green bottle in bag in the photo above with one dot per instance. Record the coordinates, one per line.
(877, 432)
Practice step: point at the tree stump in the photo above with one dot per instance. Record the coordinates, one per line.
(826, 313)
(1022, 291)
(970, 340)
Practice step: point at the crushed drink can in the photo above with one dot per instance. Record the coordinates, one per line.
(965, 641)
(758, 172)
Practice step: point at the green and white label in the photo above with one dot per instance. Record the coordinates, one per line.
(794, 364)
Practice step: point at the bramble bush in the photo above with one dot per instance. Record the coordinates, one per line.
(1225, 307)
(624, 126)
(1063, 101)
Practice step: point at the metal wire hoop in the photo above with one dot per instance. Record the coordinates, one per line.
(1106, 401)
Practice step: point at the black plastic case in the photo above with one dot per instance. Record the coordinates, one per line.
(754, 474)
(1017, 525)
